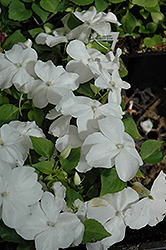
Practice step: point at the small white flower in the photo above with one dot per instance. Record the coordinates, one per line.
(53, 83)
(17, 70)
(18, 189)
(49, 227)
(152, 208)
(112, 146)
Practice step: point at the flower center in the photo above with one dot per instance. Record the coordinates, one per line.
(94, 108)
(49, 83)
(4, 194)
(90, 59)
(18, 65)
(50, 224)
(1, 143)
(117, 213)
(112, 83)
(119, 146)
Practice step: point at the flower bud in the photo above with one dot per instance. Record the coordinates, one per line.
(65, 153)
(77, 179)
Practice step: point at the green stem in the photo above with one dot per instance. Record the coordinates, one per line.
(100, 43)
(20, 103)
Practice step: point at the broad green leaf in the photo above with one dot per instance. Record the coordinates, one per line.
(93, 191)
(131, 128)
(110, 182)
(8, 112)
(151, 26)
(43, 146)
(49, 5)
(150, 151)
(94, 231)
(86, 90)
(5, 2)
(28, 1)
(144, 13)
(73, 22)
(129, 23)
(16, 37)
(139, 174)
(17, 11)
(99, 47)
(71, 196)
(150, 42)
(44, 167)
(157, 17)
(4, 100)
(145, 3)
(155, 8)
(82, 2)
(72, 160)
(101, 5)
(28, 246)
(34, 32)
(116, 1)
(122, 70)
(8, 234)
(40, 12)
(36, 115)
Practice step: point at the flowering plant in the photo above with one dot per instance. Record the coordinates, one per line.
(69, 165)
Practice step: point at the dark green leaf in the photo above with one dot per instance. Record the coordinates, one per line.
(131, 128)
(17, 11)
(139, 174)
(93, 191)
(43, 146)
(82, 2)
(4, 100)
(99, 47)
(71, 196)
(86, 90)
(94, 231)
(157, 17)
(28, 246)
(36, 115)
(101, 5)
(144, 13)
(8, 234)
(34, 32)
(150, 42)
(40, 12)
(110, 182)
(73, 22)
(122, 70)
(150, 151)
(116, 1)
(8, 112)
(16, 37)
(44, 167)
(145, 3)
(151, 26)
(5, 2)
(72, 160)
(129, 23)
(49, 5)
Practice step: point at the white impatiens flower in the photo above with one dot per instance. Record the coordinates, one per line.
(49, 227)
(52, 40)
(87, 111)
(9, 145)
(112, 146)
(86, 62)
(53, 83)
(92, 21)
(151, 209)
(18, 189)
(109, 210)
(26, 129)
(114, 83)
(17, 70)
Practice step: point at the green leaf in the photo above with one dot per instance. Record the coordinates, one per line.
(110, 182)
(150, 42)
(34, 32)
(150, 151)
(17, 11)
(44, 167)
(71, 196)
(72, 160)
(94, 231)
(93, 191)
(40, 12)
(144, 13)
(5, 2)
(16, 37)
(85, 89)
(101, 5)
(8, 112)
(129, 23)
(99, 47)
(82, 2)
(145, 3)
(131, 128)
(139, 174)
(122, 70)
(73, 22)
(49, 5)
(28, 246)
(36, 115)
(8, 234)
(43, 146)
(116, 1)
(157, 17)
(4, 100)
(151, 26)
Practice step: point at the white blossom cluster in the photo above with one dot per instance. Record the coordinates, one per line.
(99, 131)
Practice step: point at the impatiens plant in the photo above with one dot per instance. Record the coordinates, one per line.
(68, 160)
